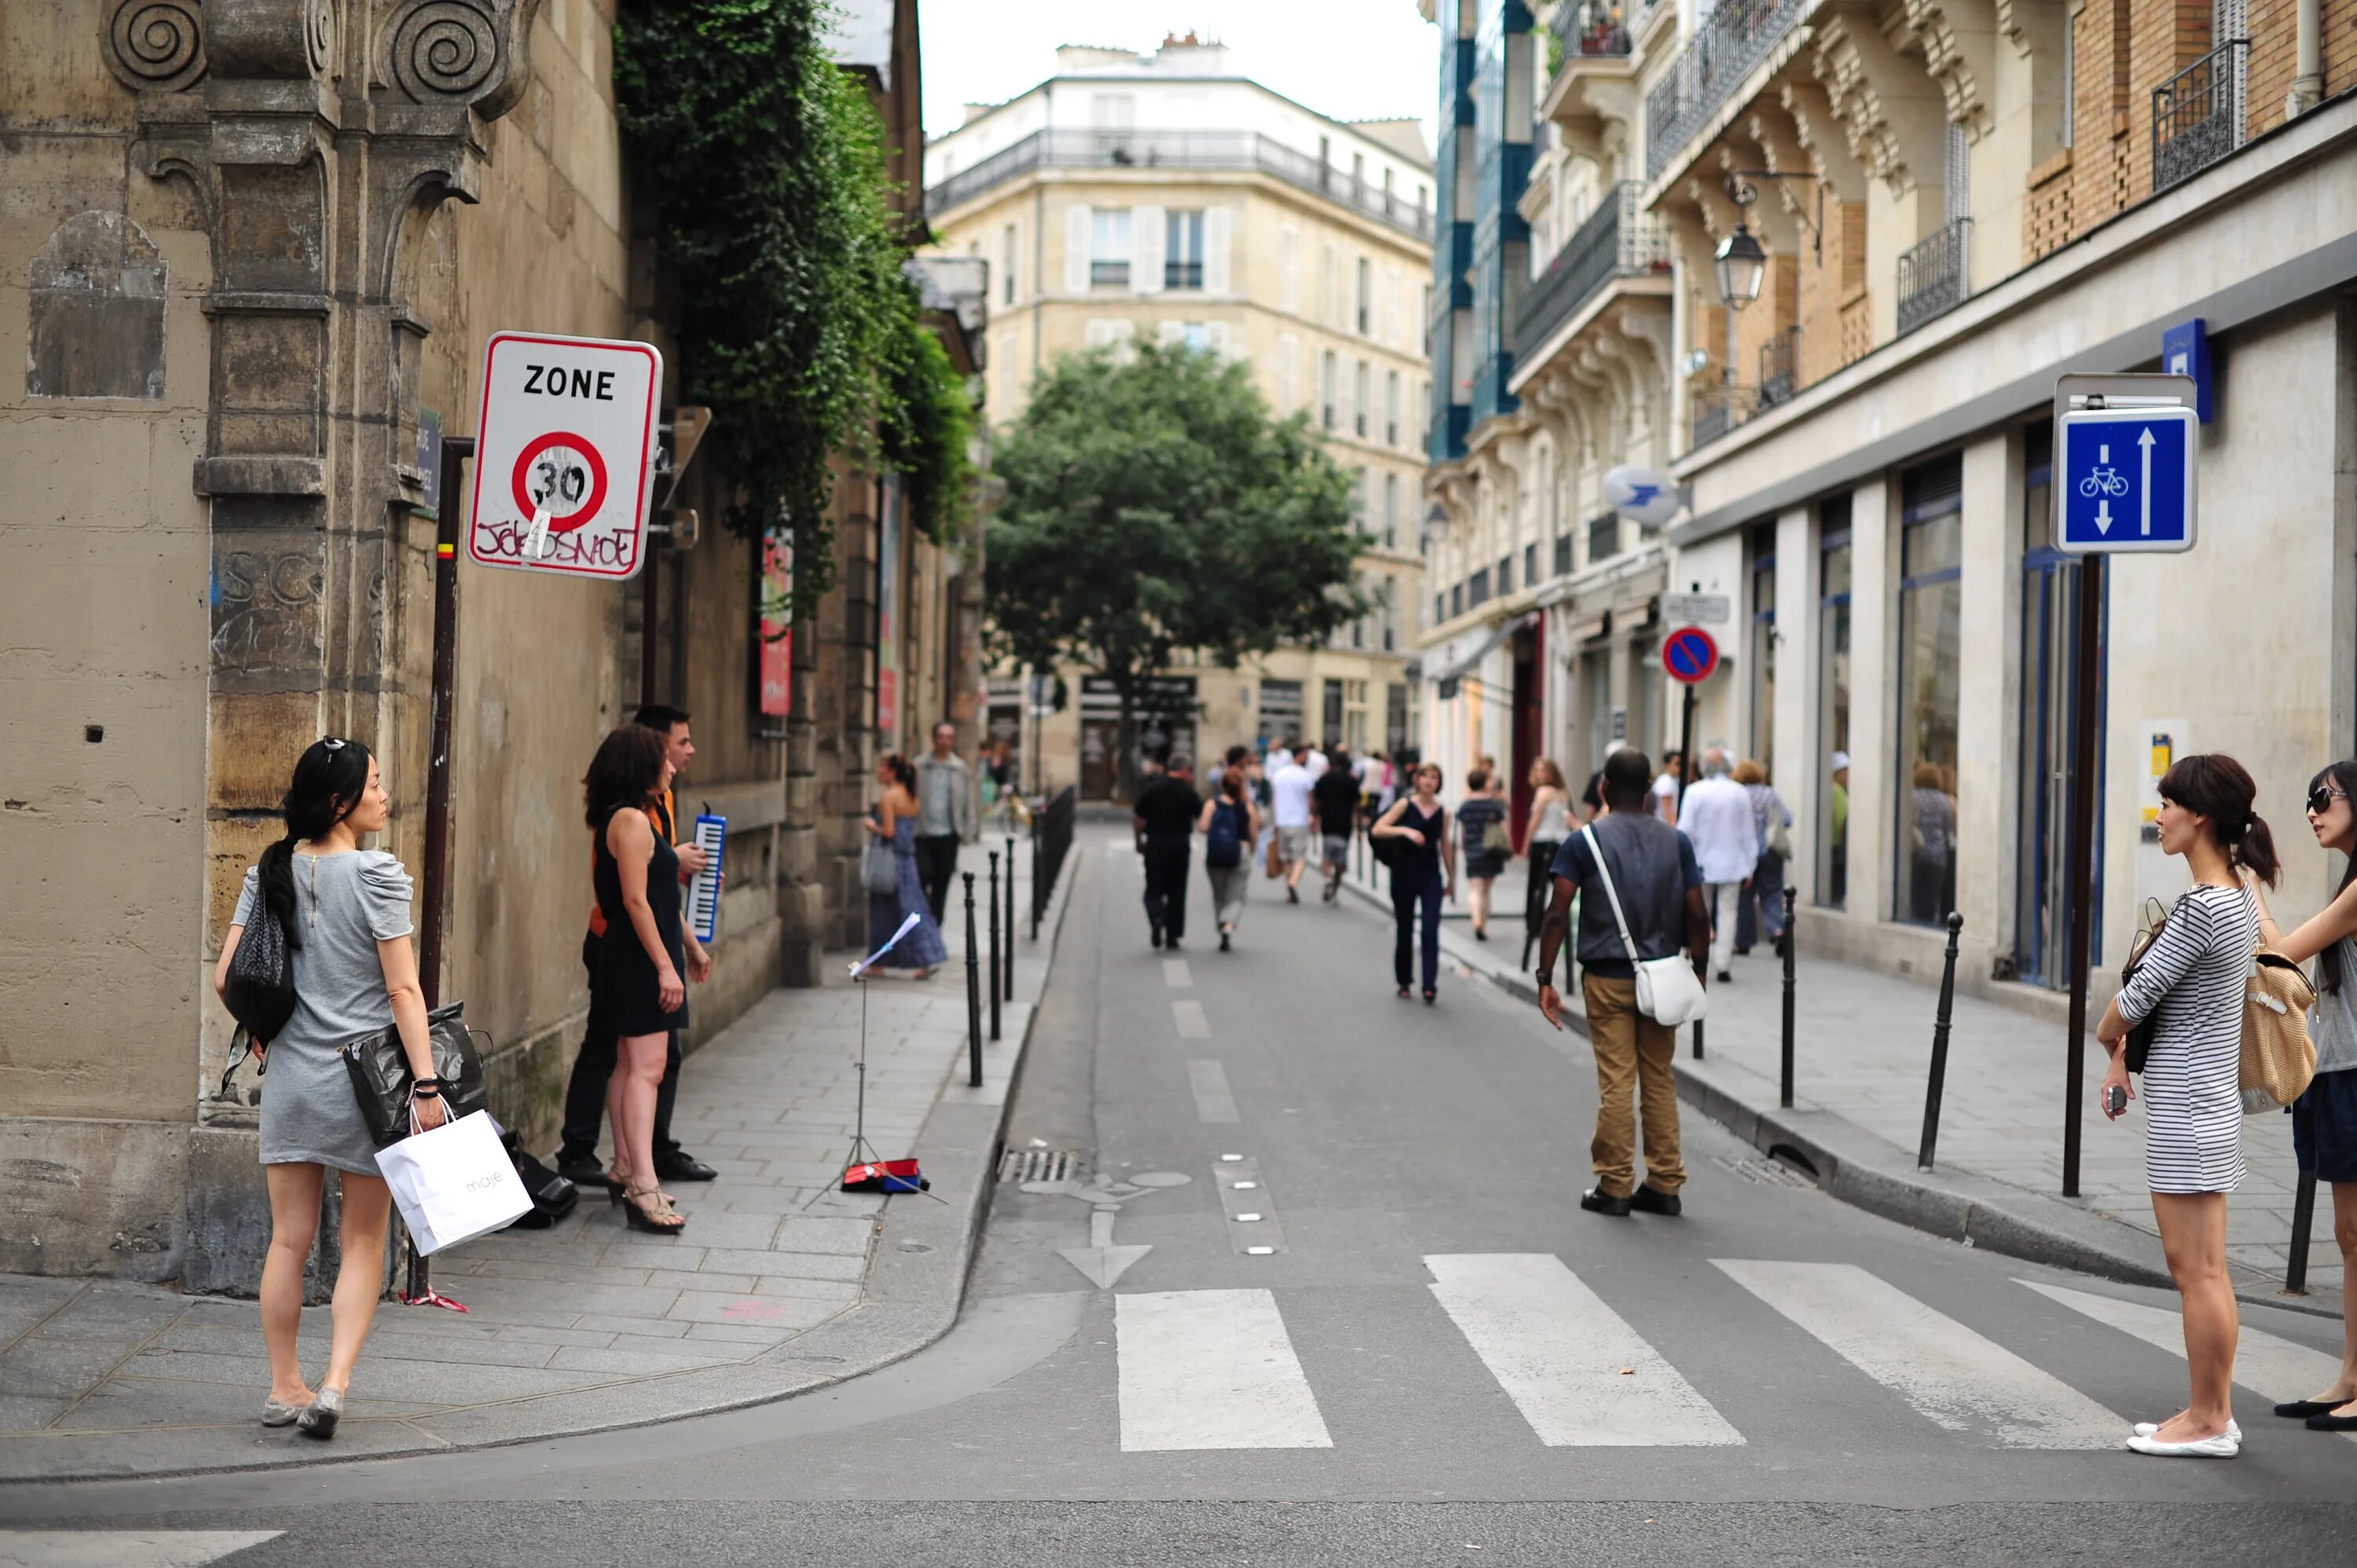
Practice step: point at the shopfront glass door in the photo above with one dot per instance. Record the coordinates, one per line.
(2050, 684)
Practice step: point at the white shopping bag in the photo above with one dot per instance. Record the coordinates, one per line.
(454, 1183)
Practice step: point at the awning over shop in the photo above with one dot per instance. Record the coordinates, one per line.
(1448, 675)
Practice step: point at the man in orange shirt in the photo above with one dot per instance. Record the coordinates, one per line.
(585, 1097)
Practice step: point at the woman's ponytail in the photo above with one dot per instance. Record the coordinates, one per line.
(328, 781)
(2256, 851)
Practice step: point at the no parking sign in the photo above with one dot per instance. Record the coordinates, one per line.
(564, 460)
(1689, 654)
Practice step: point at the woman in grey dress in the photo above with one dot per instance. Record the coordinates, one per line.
(345, 910)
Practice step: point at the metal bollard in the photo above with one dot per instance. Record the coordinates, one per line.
(1010, 918)
(2303, 1221)
(993, 942)
(973, 992)
(1940, 1047)
(1791, 897)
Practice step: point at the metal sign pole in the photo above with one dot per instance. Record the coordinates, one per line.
(436, 871)
(2083, 861)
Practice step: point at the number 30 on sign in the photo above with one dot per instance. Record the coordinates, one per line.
(564, 464)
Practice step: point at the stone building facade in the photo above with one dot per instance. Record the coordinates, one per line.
(252, 248)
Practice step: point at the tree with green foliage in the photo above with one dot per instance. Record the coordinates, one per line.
(765, 165)
(1153, 505)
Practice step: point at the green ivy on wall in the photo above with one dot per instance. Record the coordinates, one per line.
(765, 165)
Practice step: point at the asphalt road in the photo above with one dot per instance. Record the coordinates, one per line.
(1427, 1363)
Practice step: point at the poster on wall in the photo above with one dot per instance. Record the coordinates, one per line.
(777, 693)
(887, 613)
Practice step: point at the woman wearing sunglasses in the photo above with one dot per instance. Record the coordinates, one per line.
(345, 911)
(2324, 1120)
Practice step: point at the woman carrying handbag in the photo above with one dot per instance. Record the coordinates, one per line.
(892, 848)
(344, 913)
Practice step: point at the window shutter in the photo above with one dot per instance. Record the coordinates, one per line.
(1145, 246)
(1288, 372)
(1215, 249)
(1215, 337)
(1170, 332)
(1288, 269)
(1343, 408)
(1076, 249)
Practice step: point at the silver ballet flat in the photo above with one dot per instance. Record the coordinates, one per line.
(275, 1413)
(319, 1419)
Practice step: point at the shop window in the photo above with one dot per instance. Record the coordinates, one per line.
(1832, 701)
(1931, 615)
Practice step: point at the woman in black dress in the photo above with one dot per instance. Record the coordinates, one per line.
(640, 958)
(1423, 870)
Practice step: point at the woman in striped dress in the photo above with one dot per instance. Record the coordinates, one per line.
(2191, 985)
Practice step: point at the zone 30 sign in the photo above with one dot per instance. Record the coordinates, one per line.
(564, 465)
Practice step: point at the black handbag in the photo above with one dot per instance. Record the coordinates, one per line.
(2139, 1046)
(260, 990)
(381, 1078)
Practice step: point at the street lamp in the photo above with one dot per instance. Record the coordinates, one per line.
(1741, 264)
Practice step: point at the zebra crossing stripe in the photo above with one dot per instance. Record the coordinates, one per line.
(2274, 1367)
(1956, 1377)
(1210, 1368)
(1579, 1374)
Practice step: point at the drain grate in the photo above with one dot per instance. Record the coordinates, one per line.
(1042, 1164)
(1767, 1173)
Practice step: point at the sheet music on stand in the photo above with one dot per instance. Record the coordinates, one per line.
(704, 887)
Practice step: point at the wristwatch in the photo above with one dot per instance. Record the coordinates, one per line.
(1546, 976)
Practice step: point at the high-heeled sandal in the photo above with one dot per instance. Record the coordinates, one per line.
(617, 1191)
(639, 1219)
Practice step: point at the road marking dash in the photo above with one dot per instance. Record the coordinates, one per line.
(1187, 1014)
(1213, 1099)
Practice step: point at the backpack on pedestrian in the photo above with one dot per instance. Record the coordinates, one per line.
(1223, 842)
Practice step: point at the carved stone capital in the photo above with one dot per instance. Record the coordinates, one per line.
(473, 53)
(155, 45)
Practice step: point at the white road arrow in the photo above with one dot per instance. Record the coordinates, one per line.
(2103, 516)
(1102, 1262)
(2144, 490)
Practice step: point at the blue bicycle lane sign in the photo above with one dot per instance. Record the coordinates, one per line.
(2124, 480)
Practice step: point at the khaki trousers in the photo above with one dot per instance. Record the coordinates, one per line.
(1632, 1057)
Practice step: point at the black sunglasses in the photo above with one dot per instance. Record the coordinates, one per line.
(2320, 798)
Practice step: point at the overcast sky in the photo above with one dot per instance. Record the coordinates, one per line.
(1352, 60)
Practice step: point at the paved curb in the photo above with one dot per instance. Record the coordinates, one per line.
(915, 1288)
(1867, 1172)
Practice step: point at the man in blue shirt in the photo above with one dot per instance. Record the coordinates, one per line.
(1652, 869)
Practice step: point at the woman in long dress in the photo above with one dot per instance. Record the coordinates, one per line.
(921, 951)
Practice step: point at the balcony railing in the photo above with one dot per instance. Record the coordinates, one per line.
(1618, 240)
(1780, 366)
(1719, 409)
(1179, 149)
(1599, 28)
(1731, 40)
(2197, 114)
(1931, 276)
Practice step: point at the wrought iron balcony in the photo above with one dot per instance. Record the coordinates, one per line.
(1735, 37)
(1780, 366)
(1599, 28)
(2197, 114)
(1932, 277)
(1618, 240)
(1179, 149)
(1718, 410)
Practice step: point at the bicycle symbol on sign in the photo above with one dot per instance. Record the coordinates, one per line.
(2104, 482)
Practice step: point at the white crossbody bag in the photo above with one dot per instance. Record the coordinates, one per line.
(1668, 990)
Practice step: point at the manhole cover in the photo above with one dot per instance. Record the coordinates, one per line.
(1767, 1173)
(1041, 1165)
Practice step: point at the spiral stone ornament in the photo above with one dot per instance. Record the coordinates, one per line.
(155, 45)
(445, 50)
(319, 36)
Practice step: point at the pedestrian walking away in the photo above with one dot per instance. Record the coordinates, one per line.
(1335, 799)
(1550, 824)
(593, 1068)
(641, 959)
(1290, 786)
(922, 950)
(1163, 818)
(344, 911)
(1424, 874)
(2324, 1119)
(948, 814)
(1717, 817)
(2189, 984)
(1230, 824)
(1761, 909)
(1486, 845)
(1652, 868)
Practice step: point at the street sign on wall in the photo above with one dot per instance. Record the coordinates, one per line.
(1697, 609)
(2124, 480)
(1689, 654)
(565, 457)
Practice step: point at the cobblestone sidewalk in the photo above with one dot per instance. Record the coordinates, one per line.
(589, 1324)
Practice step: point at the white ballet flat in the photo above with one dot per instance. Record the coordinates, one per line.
(2147, 1428)
(2226, 1445)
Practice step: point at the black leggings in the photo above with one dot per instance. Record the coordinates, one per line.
(1404, 894)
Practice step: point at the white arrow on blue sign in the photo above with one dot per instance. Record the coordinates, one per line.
(2125, 481)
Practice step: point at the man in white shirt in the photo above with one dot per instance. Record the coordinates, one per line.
(1316, 762)
(1289, 788)
(1665, 800)
(1716, 819)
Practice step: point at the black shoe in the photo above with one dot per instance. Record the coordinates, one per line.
(1727, 977)
(1157, 936)
(1293, 894)
(1650, 1202)
(2332, 1423)
(1481, 935)
(1171, 942)
(1427, 998)
(1596, 1200)
(678, 1166)
(2300, 1410)
(1224, 941)
(582, 1170)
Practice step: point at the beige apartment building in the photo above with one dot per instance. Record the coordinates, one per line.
(1929, 211)
(1163, 197)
